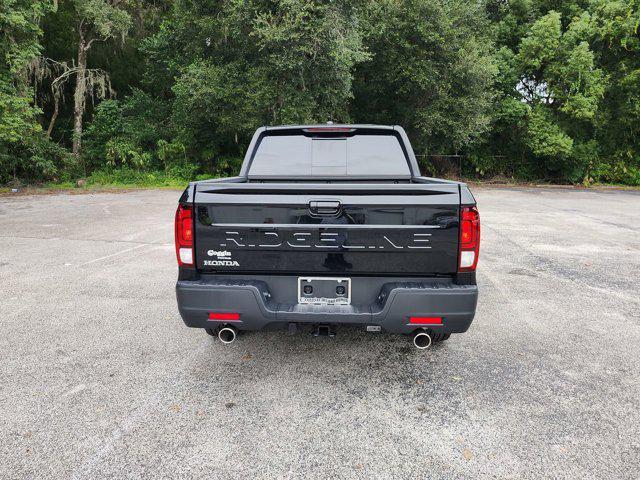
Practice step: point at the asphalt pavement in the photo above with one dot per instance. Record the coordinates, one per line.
(99, 377)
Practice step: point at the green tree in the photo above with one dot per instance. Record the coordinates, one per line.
(20, 133)
(550, 90)
(527, 88)
(616, 42)
(431, 70)
(96, 21)
(238, 65)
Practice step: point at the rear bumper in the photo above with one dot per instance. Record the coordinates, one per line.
(394, 303)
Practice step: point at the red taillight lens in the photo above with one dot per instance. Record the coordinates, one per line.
(469, 239)
(184, 235)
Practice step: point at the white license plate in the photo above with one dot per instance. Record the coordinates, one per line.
(324, 291)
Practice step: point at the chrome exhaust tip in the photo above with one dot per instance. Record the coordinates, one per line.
(227, 335)
(422, 340)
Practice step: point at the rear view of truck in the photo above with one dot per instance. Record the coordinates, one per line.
(328, 226)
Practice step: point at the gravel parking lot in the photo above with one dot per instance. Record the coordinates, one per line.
(99, 377)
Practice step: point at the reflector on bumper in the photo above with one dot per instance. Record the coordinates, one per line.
(425, 320)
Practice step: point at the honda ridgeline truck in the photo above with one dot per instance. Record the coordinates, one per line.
(328, 226)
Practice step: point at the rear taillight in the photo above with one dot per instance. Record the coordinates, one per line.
(469, 239)
(184, 235)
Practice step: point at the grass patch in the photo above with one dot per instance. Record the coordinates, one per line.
(121, 179)
(125, 178)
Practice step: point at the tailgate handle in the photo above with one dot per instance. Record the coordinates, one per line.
(324, 207)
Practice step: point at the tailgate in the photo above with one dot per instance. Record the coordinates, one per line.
(297, 228)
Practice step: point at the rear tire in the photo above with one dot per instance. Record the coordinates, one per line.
(439, 337)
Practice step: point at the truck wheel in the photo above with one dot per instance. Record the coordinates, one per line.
(439, 337)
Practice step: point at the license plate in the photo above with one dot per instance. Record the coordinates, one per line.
(324, 291)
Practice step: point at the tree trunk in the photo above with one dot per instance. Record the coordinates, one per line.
(54, 116)
(79, 95)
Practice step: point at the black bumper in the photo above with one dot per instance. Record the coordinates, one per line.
(392, 305)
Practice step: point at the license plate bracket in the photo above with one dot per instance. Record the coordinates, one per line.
(324, 291)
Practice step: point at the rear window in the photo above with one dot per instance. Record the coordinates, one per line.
(303, 156)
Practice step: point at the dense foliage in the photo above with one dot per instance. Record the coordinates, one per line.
(528, 89)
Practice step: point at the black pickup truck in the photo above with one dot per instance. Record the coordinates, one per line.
(328, 225)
